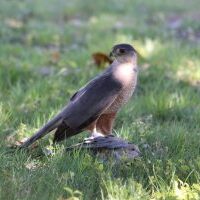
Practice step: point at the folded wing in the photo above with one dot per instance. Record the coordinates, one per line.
(84, 107)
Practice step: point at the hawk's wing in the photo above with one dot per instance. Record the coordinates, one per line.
(91, 101)
(84, 107)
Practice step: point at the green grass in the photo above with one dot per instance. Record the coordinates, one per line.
(163, 117)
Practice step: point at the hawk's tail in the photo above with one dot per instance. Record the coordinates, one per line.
(64, 131)
(51, 125)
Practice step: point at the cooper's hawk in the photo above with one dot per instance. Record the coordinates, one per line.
(94, 107)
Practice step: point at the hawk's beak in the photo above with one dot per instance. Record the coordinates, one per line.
(111, 54)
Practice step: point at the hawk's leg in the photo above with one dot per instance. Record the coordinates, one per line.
(93, 130)
(95, 133)
(102, 126)
(105, 123)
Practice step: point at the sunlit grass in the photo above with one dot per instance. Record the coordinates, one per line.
(45, 56)
(189, 71)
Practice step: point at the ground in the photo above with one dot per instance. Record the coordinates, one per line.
(45, 56)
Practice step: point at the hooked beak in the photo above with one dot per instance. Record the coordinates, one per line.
(111, 55)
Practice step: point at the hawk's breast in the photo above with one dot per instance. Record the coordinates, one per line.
(127, 75)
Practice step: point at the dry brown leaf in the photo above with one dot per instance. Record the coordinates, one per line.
(14, 23)
(31, 165)
(18, 143)
(55, 56)
(101, 59)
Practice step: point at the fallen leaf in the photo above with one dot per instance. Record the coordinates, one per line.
(55, 56)
(14, 23)
(101, 59)
(10, 139)
(31, 165)
(18, 143)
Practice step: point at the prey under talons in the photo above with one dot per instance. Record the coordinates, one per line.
(94, 135)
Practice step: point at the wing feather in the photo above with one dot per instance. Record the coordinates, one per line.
(84, 107)
(91, 100)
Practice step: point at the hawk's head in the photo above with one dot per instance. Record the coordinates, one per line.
(123, 52)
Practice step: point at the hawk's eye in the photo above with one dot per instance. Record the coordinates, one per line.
(122, 51)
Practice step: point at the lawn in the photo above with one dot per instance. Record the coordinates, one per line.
(45, 56)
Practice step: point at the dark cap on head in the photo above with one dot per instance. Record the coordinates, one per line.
(122, 49)
(127, 47)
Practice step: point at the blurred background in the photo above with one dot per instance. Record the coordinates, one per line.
(46, 50)
(47, 46)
